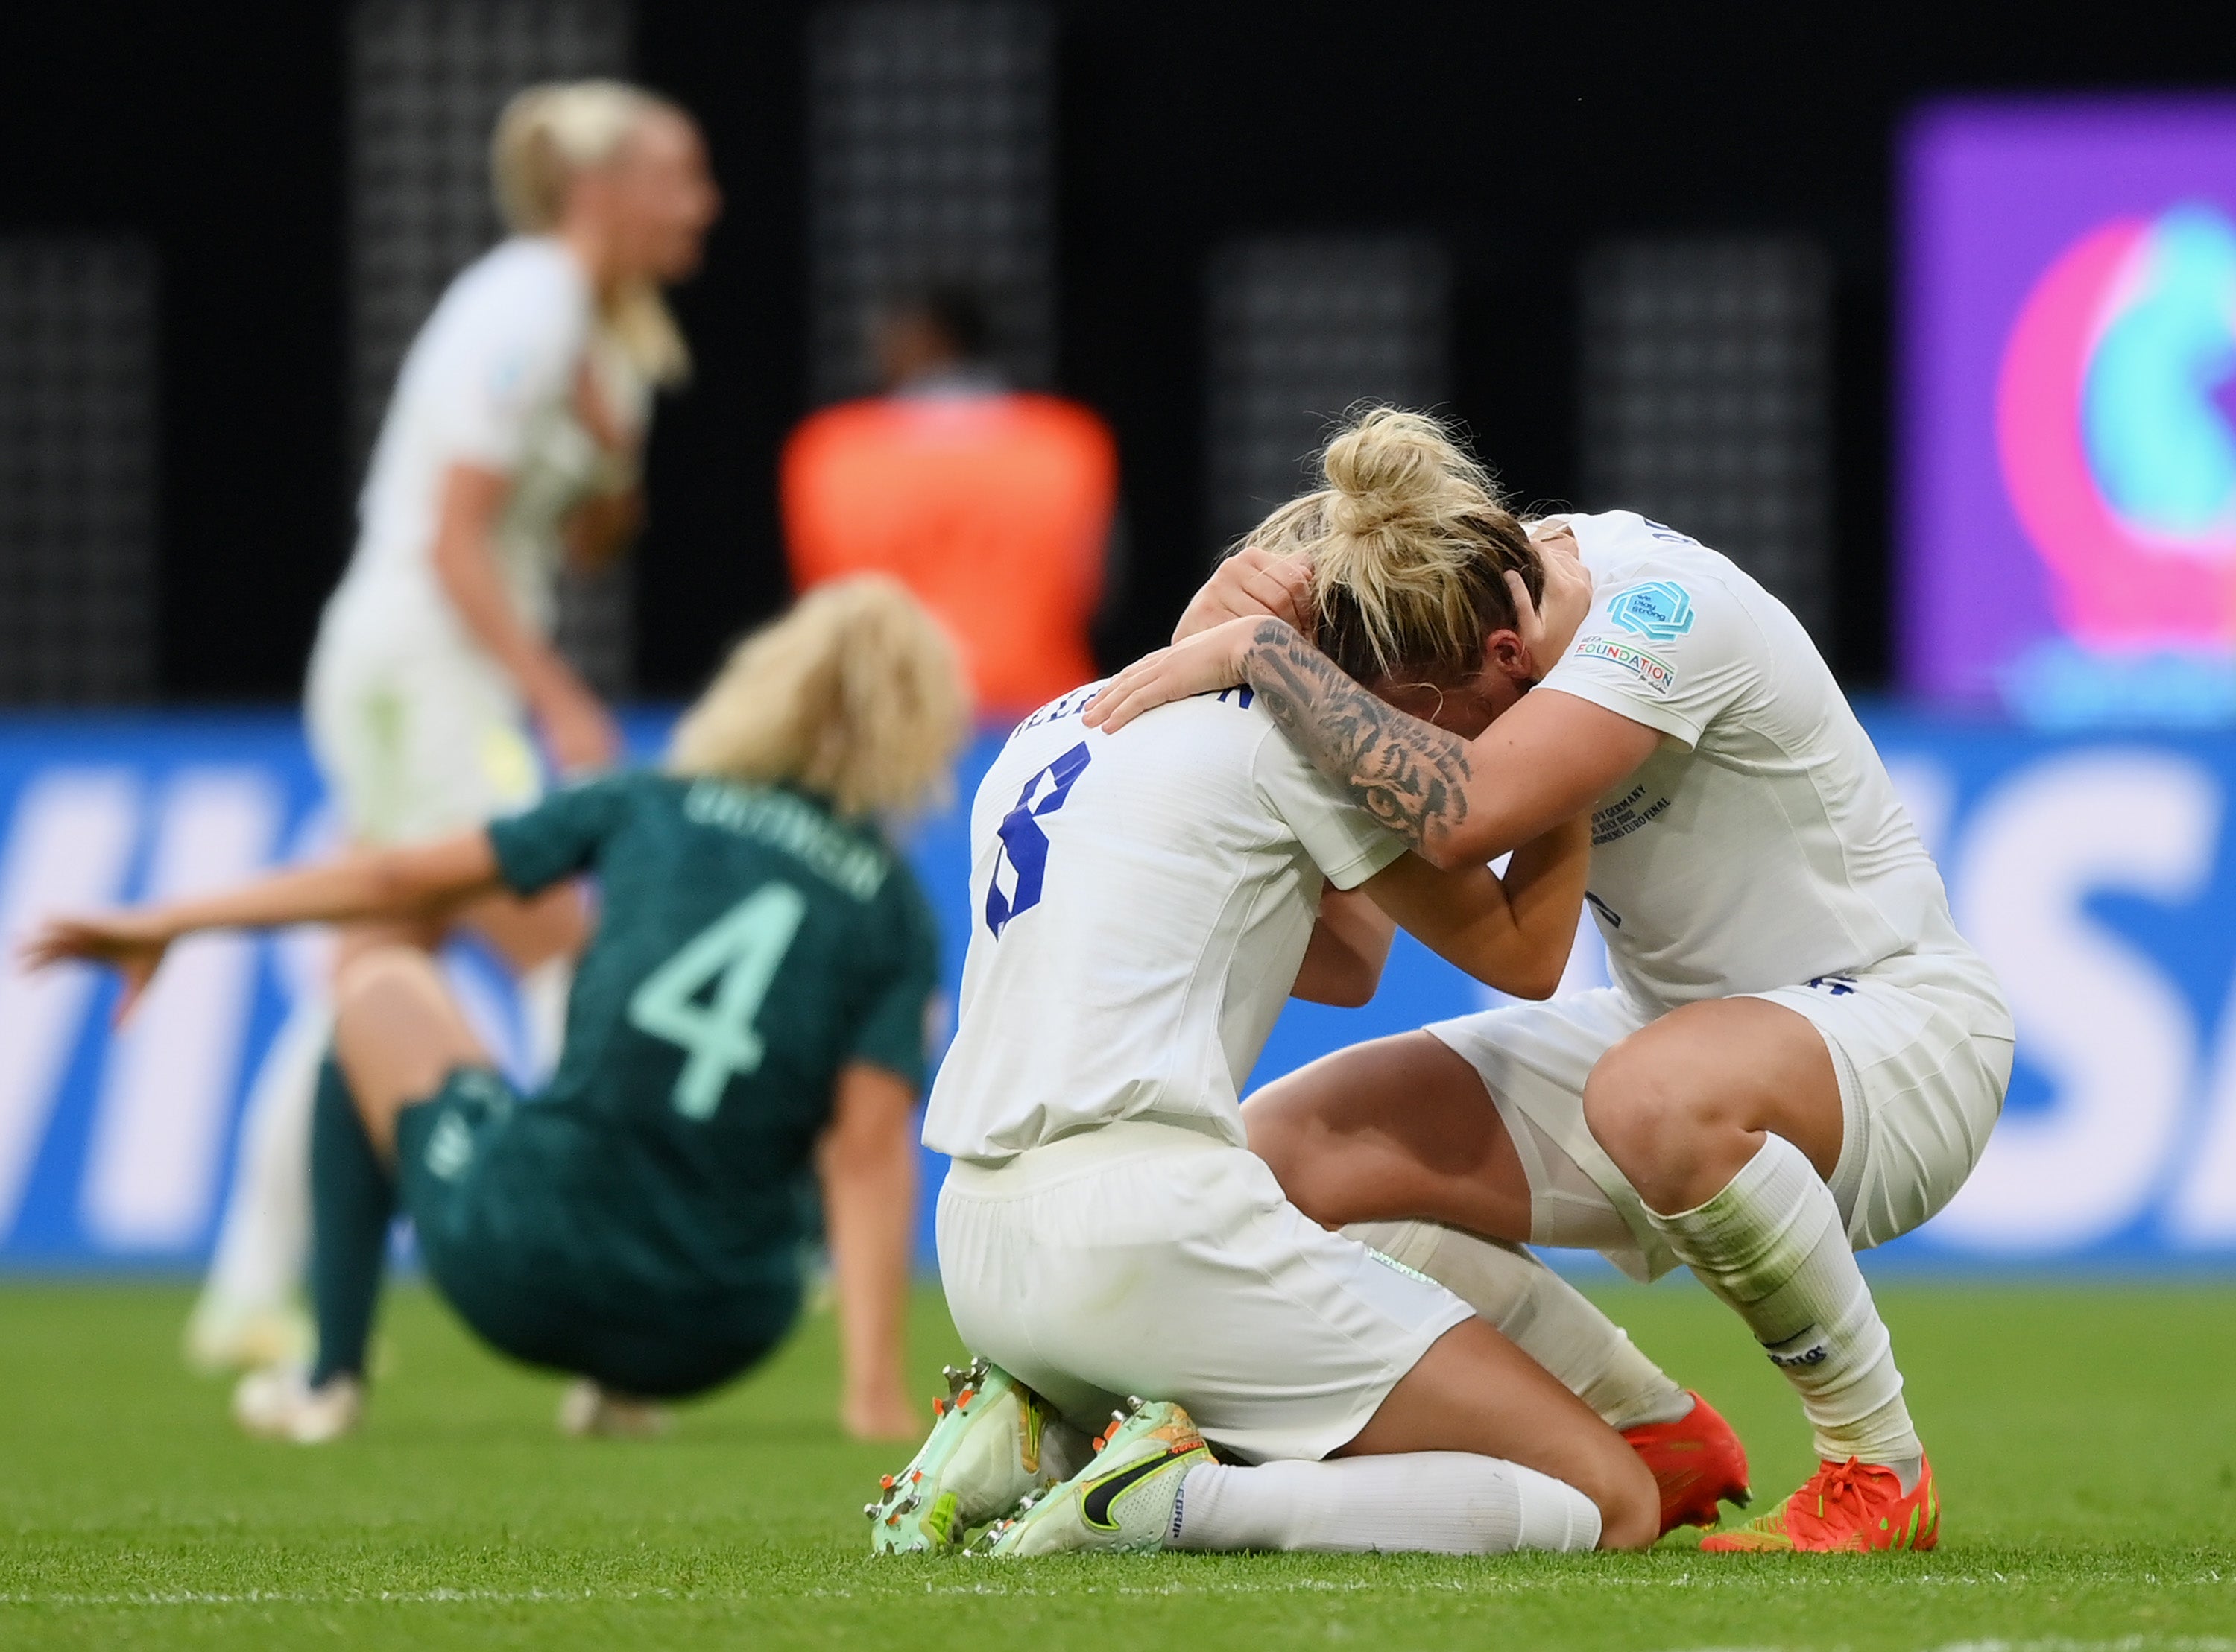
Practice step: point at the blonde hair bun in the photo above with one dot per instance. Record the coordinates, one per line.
(1392, 467)
(1410, 543)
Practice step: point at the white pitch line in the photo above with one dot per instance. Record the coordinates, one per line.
(983, 1585)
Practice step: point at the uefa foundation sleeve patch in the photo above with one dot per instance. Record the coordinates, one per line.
(1656, 673)
(1660, 610)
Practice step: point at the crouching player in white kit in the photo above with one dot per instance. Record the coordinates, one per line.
(1800, 1058)
(1145, 905)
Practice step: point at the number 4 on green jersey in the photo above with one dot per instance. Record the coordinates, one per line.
(739, 953)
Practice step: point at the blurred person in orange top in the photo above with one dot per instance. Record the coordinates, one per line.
(993, 506)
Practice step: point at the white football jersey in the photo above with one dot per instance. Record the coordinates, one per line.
(1762, 845)
(1141, 902)
(489, 381)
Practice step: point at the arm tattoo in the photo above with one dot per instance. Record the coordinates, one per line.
(1410, 776)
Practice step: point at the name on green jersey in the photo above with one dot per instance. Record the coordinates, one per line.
(784, 822)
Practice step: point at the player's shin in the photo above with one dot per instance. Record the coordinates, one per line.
(1540, 1313)
(1772, 1246)
(353, 1199)
(247, 1315)
(1450, 1503)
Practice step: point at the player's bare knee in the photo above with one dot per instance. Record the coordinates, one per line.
(396, 1030)
(1629, 1108)
(1279, 1135)
(1647, 1119)
(381, 982)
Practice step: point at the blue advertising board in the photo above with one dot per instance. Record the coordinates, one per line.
(2098, 874)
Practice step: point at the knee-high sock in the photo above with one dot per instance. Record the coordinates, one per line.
(352, 1197)
(265, 1241)
(1540, 1313)
(543, 1013)
(1772, 1245)
(1443, 1503)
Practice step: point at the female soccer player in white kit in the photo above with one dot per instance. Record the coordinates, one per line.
(1799, 1057)
(510, 446)
(1145, 904)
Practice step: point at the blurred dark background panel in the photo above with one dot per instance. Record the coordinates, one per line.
(77, 470)
(931, 141)
(1706, 372)
(1533, 156)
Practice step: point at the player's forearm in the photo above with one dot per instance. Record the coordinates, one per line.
(1417, 780)
(1544, 884)
(870, 1191)
(378, 883)
(1350, 945)
(465, 566)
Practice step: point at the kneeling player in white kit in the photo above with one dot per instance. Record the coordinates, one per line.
(1145, 906)
(1800, 1058)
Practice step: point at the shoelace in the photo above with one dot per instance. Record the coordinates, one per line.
(1842, 1486)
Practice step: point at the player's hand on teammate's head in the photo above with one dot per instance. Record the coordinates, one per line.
(131, 943)
(1550, 623)
(1205, 663)
(1251, 584)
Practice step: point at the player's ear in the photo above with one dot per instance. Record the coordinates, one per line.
(1506, 654)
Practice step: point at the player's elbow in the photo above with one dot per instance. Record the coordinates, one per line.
(1539, 980)
(1352, 991)
(394, 883)
(1468, 844)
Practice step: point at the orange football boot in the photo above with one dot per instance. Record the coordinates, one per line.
(1697, 1461)
(1846, 1508)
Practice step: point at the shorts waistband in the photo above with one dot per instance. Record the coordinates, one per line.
(1086, 1153)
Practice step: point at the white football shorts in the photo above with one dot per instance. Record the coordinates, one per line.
(414, 742)
(1920, 1041)
(1151, 1260)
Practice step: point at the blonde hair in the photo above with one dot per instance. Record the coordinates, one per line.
(547, 137)
(856, 694)
(1409, 542)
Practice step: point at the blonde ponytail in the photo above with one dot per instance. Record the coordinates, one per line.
(547, 135)
(1409, 542)
(856, 694)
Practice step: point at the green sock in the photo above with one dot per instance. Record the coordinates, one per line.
(353, 1198)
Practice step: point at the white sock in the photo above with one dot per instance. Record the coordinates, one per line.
(1772, 1245)
(1439, 1503)
(1540, 1313)
(543, 1013)
(264, 1243)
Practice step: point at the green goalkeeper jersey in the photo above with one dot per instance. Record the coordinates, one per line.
(750, 943)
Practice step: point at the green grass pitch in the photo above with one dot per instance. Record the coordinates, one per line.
(2086, 1439)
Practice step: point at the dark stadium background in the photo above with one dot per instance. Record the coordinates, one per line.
(1509, 131)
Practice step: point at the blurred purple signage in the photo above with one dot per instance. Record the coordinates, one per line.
(2068, 437)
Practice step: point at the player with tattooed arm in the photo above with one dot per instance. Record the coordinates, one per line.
(1799, 1057)
(1144, 904)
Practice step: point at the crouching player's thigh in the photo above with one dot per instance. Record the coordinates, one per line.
(1924, 1058)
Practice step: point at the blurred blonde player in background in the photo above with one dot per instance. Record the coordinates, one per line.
(510, 448)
